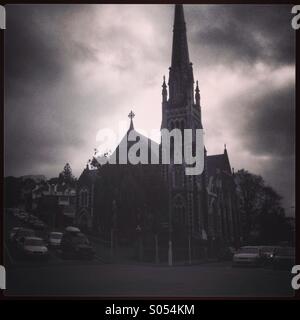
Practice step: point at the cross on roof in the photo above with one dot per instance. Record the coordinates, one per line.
(131, 115)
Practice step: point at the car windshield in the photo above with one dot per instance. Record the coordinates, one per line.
(248, 250)
(34, 242)
(286, 251)
(55, 235)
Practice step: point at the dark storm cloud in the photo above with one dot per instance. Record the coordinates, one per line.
(263, 122)
(29, 53)
(270, 126)
(34, 46)
(244, 34)
(38, 132)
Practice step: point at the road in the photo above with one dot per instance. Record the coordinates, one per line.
(101, 280)
(97, 278)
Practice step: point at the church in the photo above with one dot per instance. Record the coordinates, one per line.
(194, 215)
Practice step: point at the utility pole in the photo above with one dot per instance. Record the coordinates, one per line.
(113, 229)
(156, 248)
(190, 248)
(170, 247)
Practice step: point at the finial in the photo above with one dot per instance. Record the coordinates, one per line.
(131, 116)
(197, 94)
(164, 83)
(225, 150)
(164, 90)
(197, 87)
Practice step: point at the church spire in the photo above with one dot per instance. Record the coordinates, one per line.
(181, 79)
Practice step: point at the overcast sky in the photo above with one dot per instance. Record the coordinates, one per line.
(74, 69)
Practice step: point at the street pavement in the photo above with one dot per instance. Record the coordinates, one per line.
(101, 280)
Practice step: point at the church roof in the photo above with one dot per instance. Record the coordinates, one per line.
(218, 161)
(89, 175)
(93, 174)
(142, 140)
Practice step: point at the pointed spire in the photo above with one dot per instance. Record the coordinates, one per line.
(164, 90)
(181, 79)
(225, 150)
(131, 116)
(180, 52)
(197, 94)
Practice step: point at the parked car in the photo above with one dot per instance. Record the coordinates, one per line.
(38, 224)
(284, 258)
(75, 244)
(72, 229)
(267, 253)
(31, 219)
(34, 247)
(248, 256)
(21, 234)
(23, 216)
(13, 233)
(54, 239)
(226, 254)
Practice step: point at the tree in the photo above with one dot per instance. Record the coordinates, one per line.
(262, 216)
(12, 191)
(250, 188)
(66, 175)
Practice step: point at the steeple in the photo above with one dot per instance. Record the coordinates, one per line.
(180, 52)
(181, 80)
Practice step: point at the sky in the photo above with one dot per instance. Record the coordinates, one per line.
(72, 70)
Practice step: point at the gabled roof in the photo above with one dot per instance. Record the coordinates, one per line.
(141, 139)
(218, 161)
(89, 175)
